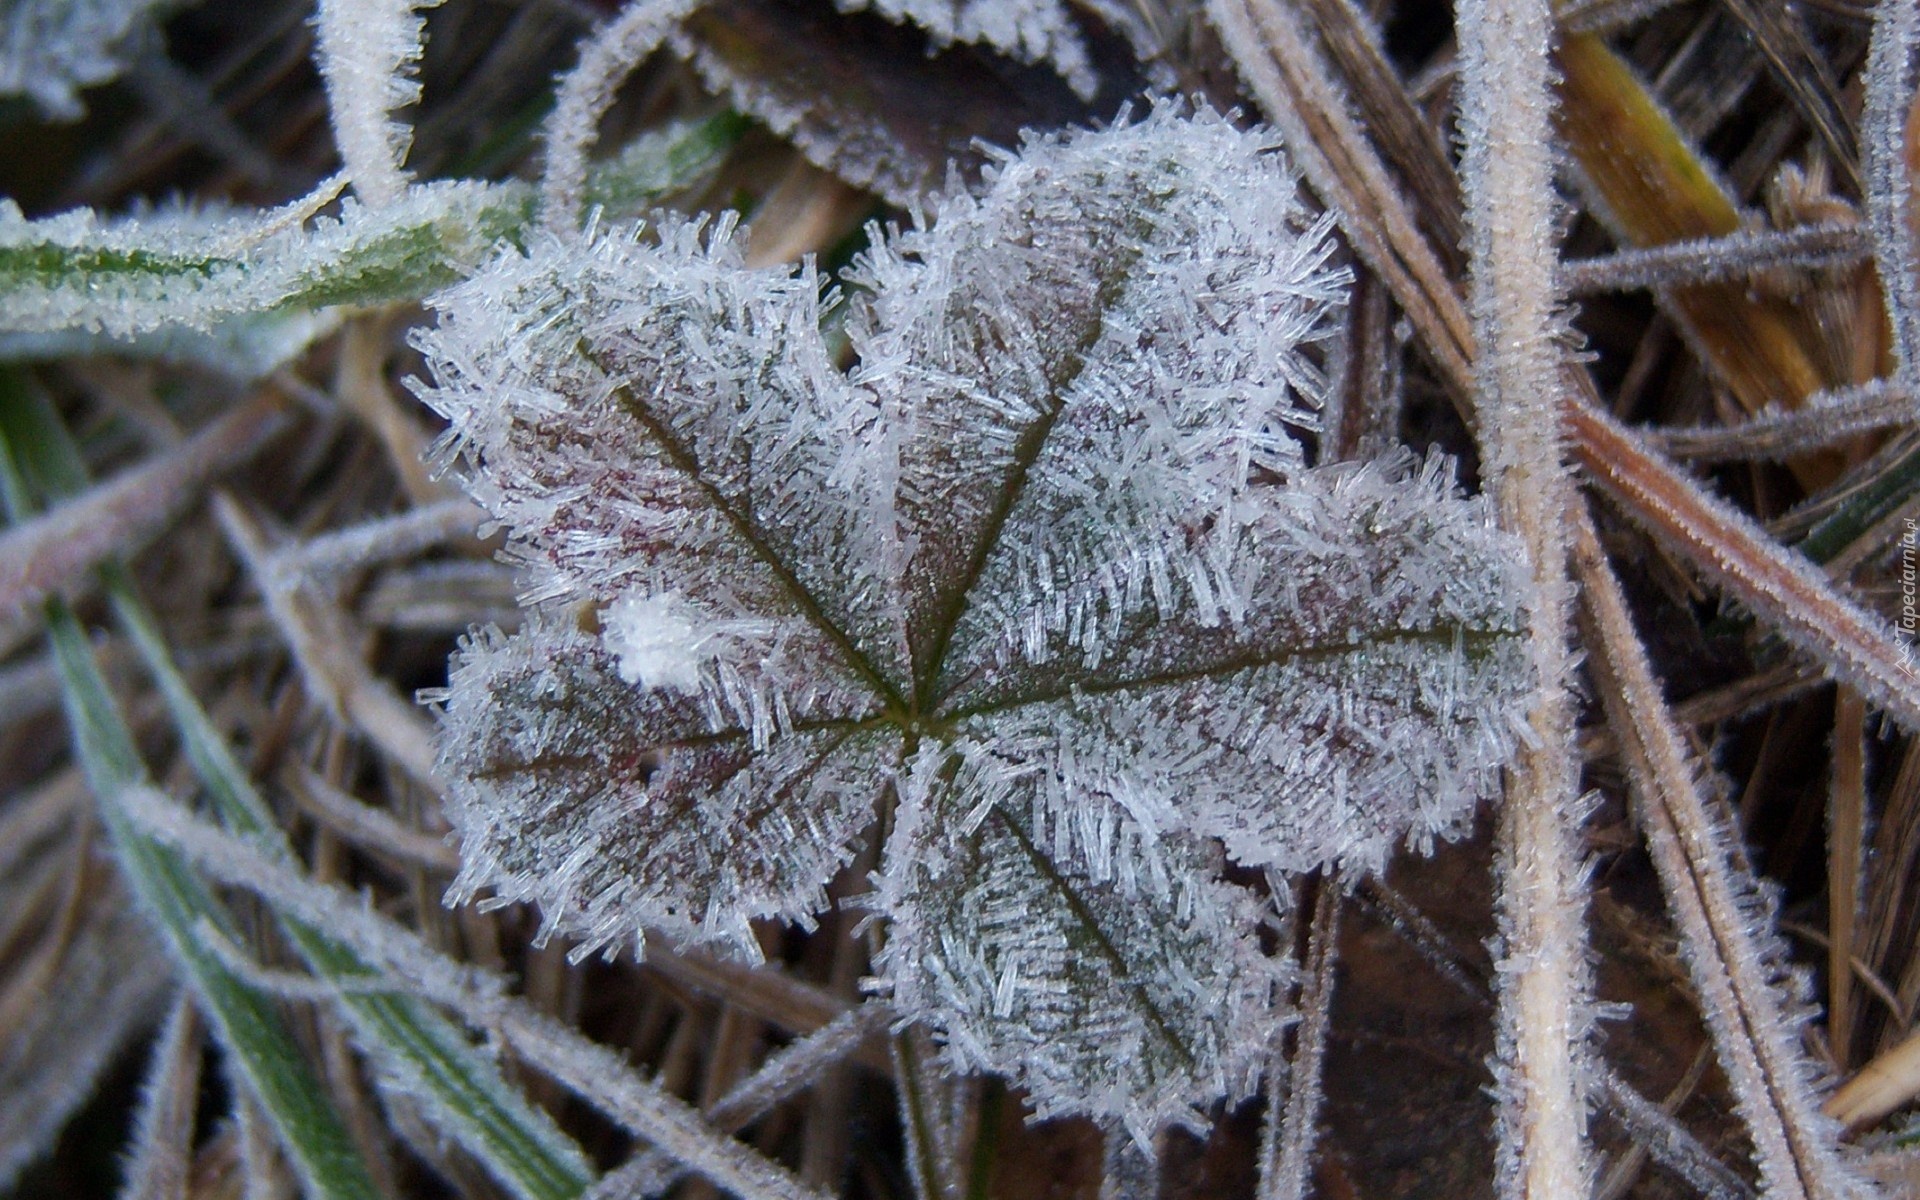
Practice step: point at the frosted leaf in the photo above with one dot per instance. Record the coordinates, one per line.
(1028, 31)
(1356, 639)
(1132, 318)
(615, 807)
(50, 49)
(1044, 578)
(1125, 994)
(669, 421)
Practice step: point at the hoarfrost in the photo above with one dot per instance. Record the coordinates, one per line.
(1023, 30)
(1043, 585)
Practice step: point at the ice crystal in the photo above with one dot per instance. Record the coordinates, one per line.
(1043, 587)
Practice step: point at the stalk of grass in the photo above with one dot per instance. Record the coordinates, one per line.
(70, 273)
(179, 902)
(1651, 186)
(426, 1055)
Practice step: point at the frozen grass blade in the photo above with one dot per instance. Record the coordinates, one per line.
(586, 93)
(596, 1073)
(1782, 587)
(1733, 258)
(418, 1050)
(54, 549)
(370, 543)
(1713, 906)
(1507, 175)
(1889, 157)
(1299, 92)
(175, 897)
(328, 647)
(76, 273)
(415, 1048)
(367, 52)
(1294, 1097)
(1846, 835)
(1828, 419)
(782, 1076)
(158, 1166)
(1653, 188)
(111, 982)
(371, 828)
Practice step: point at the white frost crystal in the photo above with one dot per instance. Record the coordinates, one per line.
(663, 641)
(655, 640)
(1044, 586)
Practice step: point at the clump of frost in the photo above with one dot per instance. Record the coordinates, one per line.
(664, 641)
(1044, 586)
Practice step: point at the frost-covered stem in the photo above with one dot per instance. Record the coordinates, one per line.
(929, 1156)
(1783, 588)
(263, 1177)
(1828, 418)
(326, 647)
(48, 553)
(1293, 1113)
(372, 829)
(1507, 175)
(1884, 126)
(1295, 86)
(1846, 822)
(783, 1075)
(1737, 256)
(372, 543)
(606, 56)
(1756, 1043)
(366, 50)
(163, 1132)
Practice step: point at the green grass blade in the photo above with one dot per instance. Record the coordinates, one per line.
(174, 895)
(428, 1055)
(490, 1119)
(1875, 499)
(431, 1058)
(248, 1025)
(126, 279)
